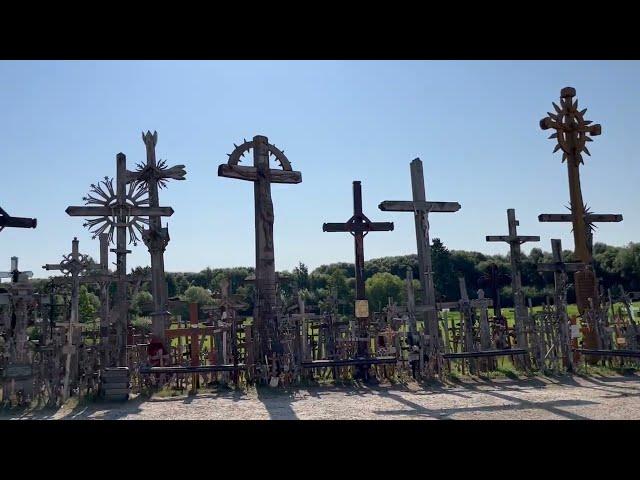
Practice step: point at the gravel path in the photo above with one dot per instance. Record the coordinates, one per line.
(537, 398)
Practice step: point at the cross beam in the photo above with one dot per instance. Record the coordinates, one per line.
(14, 274)
(558, 265)
(7, 220)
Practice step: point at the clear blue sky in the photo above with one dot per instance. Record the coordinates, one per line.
(474, 124)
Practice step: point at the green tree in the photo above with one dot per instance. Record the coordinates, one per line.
(88, 305)
(140, 302)
(380, 287)
(199, 295)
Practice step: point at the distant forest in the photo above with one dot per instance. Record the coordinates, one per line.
(332, 287)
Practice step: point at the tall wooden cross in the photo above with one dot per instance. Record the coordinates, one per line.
(7, 220)
(572, 132)
(359, 226)
(73, 264)
(155, 175)
(121, 209)
(421, 209)
(262, 176)
(514, 240)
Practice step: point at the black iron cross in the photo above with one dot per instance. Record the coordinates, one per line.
(358, 226)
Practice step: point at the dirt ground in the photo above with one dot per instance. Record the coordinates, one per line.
(567, 397)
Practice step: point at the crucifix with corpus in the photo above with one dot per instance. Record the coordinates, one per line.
(262, 176)
(421, 209)
(514, 240)
(572, 132)
(359, 226)
(121, 210)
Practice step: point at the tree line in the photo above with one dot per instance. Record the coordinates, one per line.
(331, 287)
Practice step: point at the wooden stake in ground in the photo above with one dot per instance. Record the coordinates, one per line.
(421, 209)
(262, 176)
(359, 226)
(514, 240)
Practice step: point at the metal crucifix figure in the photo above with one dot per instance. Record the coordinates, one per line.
(262, 176)
(359, 226)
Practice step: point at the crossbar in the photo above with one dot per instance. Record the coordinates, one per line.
(351, 361)
(485, 353)
(189, 369)
(608, 353)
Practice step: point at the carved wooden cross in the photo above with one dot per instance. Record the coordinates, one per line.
(73, 264)
(7, 220)
(262, 177)
(121, 209)
(155, 175)
(514, 240)
(421, 209)
(572, 134)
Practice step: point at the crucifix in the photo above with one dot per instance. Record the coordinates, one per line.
(7, 220)
(154, 175)
(14, 274)
(421, 209)
(572, 132)
(73, 264)
(359, 226)
(560, 270)
(514, 240)
(262, 176)
(121, 210)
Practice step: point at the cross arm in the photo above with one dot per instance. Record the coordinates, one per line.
(560, 267)
(132, 211)
(380, 227)
(409, 206)
(509, 239)
(52, 266)
(250, 174)
(336, 227)
(589, 217)
(7, 220)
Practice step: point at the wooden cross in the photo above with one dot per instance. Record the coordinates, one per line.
(7, 220)
(73, 264)
(560, 270)
(421, 209)
(514, 240)
(155, 175)
(262, 176)
(359, 226)
(572, 134)
(121, 209)
(14, 274)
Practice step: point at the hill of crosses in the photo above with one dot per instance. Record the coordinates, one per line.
(95, 330)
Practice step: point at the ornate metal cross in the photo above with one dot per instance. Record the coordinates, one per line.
(7, 220)
(262, 177)
(421, 209)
